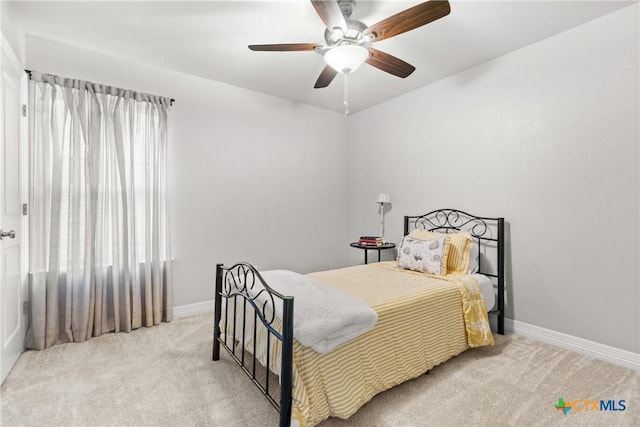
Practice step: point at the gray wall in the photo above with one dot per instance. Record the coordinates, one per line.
(546, 136)
(12, 30)
(254, 178)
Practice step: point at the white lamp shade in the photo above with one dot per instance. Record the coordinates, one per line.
(383, 198)
(346, 58)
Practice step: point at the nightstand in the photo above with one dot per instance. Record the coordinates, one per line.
(367, 248)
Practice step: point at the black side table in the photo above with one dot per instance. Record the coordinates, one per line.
(368, 248)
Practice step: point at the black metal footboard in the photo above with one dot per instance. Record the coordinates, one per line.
(257, 301)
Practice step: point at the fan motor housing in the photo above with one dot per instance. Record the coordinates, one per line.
(354, 34)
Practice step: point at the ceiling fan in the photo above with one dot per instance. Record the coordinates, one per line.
(348, 41)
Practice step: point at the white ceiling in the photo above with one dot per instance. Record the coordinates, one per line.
(209, 39)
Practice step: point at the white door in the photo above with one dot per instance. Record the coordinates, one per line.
(13, 226)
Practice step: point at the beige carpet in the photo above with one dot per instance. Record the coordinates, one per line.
(164, 376)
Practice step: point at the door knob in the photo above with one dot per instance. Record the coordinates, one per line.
(11, 234)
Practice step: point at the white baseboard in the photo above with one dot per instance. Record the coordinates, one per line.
(593, 349)
(193, 309)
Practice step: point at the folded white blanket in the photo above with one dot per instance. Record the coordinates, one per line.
(324, 317)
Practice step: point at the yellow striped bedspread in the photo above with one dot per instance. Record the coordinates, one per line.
(423, 321)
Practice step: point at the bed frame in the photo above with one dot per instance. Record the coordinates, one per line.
(243, 281)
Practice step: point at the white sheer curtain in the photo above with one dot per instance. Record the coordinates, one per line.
(100, 256)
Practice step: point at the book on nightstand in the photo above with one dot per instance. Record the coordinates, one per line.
(371, 241)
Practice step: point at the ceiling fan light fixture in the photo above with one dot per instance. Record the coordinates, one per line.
(346, 58)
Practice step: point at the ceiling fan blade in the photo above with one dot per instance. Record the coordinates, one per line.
(326, 76)
(330, 13)
(287, 47)
(410, 19)
(389, 63)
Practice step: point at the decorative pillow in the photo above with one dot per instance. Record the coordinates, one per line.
(459, 248)
(422, 255)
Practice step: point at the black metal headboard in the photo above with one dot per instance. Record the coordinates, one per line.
(489, 234)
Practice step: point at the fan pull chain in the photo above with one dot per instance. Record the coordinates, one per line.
(346, 94)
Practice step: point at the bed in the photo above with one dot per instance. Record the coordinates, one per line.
(422, 320)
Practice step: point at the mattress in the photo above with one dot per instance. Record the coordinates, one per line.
(487, 289)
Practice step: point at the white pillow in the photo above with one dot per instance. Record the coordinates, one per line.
(473, 258)
(421, 255)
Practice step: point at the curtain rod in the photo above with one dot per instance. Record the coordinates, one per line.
(29, 74)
